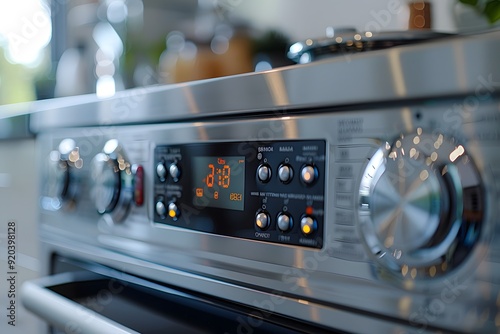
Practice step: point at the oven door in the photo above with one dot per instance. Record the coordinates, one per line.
(89, 298)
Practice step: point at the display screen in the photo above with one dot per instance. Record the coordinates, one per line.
(219, 182)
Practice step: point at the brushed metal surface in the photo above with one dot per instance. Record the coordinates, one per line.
(343, 274)
(457, 65)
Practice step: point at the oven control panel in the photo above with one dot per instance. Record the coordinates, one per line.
(267, 191)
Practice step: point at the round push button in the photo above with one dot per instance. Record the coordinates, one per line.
(264, 173)
(161, 171)
(285, 173)
(308, 174)
(284, 222)
(262, 220)
(174, 171)
(161, 210)
(308, 225)
(173, 211)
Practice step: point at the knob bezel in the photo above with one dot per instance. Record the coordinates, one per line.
(445, 168)
(112, 159)
(62, 179)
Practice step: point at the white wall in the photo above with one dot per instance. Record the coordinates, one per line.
(302, 19)
(18, 203)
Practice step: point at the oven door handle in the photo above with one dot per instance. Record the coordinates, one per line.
(63, 313)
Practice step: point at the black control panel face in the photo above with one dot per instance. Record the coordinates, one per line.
(267, 191)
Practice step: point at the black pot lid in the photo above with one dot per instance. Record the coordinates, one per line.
(348, 41)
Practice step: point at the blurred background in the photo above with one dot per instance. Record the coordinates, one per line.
(52, 48)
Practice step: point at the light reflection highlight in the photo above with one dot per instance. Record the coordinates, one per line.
(413, 273)
(404, 270)
(110, 146)
(457, 153)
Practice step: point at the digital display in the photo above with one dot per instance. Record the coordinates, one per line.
(219, 182)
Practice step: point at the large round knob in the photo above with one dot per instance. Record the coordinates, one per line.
(420, 205)
(111, 186)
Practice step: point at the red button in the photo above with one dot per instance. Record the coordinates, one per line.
(139, 185)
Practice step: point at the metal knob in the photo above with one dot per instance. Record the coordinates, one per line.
(264, 173)
(262, 220)
(406, 203)
(415, 196)
(112, 181)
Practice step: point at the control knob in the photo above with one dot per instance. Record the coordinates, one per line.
(308, 174)
(308, 225)
(174, 171)
(284, 222)
(61, 186)
(161, 171)
(112, 181)
(420, 205)
(264, 173)
(285, 173)
(262, 220)
(173, 211)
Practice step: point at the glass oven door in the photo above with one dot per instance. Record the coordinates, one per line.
(89, 298)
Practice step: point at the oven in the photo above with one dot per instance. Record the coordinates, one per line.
(352, 194)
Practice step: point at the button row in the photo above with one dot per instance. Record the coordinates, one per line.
(308, 173)
(308, 224)
(173, 210)
(173, 170)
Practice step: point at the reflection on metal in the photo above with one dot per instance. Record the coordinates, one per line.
(461, 65)
(277, 88)
(459, 151)
(407, 119)
(417, 204)
(404, 305)
(190, 99)
(397, 72)
(290, 127)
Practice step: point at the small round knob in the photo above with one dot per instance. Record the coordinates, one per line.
(160, 208)
(174, 171)
(264, 173)
(285, 173)
(173, 211)
(284, 222)
(161, 171)
(262, 220)
(308, 225)
(308, 174)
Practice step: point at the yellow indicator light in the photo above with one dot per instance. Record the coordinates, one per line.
(172, 213)
(306, 229)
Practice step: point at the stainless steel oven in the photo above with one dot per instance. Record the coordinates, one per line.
(352, 194)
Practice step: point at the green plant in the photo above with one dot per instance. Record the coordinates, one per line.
(489, 8)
